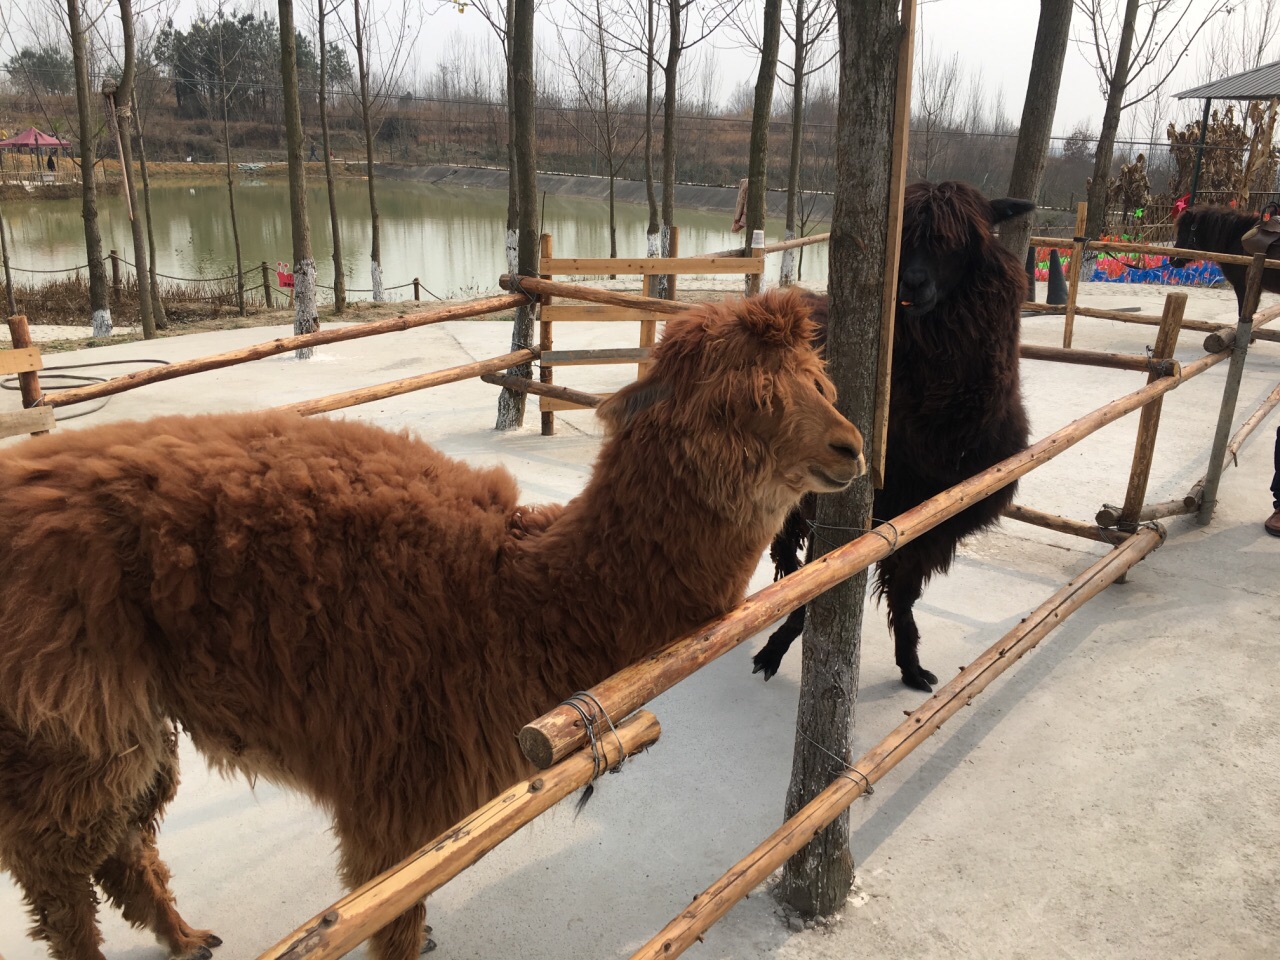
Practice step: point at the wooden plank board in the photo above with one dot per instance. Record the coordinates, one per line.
(594, 312)
(26, 421)
(23, 360)
(643, 266)
(569, 358)
(552, 403)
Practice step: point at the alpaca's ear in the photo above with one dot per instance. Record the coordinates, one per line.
(1006, 208)
(631, 401)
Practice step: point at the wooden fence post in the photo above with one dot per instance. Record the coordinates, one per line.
(266, 284)
(417, 289)
(755, 280)
(117, 288)
(545, 374)
(1077, 263)
(1149, 423)
(28, 382)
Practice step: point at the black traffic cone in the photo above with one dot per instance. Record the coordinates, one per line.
(1057, 292)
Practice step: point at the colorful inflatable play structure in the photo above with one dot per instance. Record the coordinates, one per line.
(1134, 268)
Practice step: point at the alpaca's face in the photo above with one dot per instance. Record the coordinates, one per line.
(739, 405)
(946, 230)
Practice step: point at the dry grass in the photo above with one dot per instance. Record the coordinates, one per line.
(66, 299)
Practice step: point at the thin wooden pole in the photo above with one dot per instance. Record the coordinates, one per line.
(1183, 253)
(395, 388)
(1195, 496)
(648, 328)
(117, 287)
(749, 872)
(578, 291)
(28, 382)
(131, 381)
(365, 911)
(266, 284)
(893, 242)
(542, 389)
(1096, 358)
(754, 281)
(1231, 391)
(1050, 521)
(1109, 515)
(557, 733)
(1175, 304)
(1073, 280)
(1224, 337)
(545, 338)
(767, 248)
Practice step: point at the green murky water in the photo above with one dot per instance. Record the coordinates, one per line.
(450, 237)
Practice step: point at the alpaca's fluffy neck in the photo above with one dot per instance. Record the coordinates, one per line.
(635, 561)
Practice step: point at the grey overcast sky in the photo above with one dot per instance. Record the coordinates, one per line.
(994, 36)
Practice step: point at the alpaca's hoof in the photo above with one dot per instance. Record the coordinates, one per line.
(766, 663)
(919, 679)
(212, 940)
(427, 946)
(200, 953)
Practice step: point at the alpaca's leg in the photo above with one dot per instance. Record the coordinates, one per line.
(769, 657)
(362, 856)
(786, 559)
(137, 881)
(134, 877)
(61, 901)
(902, 579)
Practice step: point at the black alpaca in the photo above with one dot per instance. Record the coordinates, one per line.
(1218, 229)
(956, 402)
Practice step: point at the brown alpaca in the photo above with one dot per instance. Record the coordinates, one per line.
(353, 614)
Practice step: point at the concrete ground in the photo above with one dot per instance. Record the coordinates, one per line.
(1117, 794)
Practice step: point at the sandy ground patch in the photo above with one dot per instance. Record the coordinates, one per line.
(1115, 795)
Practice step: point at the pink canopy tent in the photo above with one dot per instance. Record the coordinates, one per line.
(31, 137)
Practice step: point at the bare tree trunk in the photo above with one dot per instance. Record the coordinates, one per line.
(1038, 109)
(99, 292)
(1097, 220)
(157, 305)
(797, 138)
(650, 194)
(339, 277)
(513, 159)
(375, 248)
(817, 880)
(8, 277)
(510, 403)
(671, 90)
(758, 163)
(120, 101)
(231, 184)
(305, 319)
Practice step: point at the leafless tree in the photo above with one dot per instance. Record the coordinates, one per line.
(1038, 108)
(595, 70)
(339, 275)
(390, 38)
(1133, 52)
(306, 319)
(817, 880)
(99, 295)
(511, 405)
(761, 113)
(937, 82)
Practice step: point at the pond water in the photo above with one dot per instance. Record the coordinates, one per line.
(448, 236)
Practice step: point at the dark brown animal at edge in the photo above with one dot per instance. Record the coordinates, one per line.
(955, 401)
(351, 613)
(1218, 229)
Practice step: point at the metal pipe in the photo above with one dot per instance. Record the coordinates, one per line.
(1231, 392)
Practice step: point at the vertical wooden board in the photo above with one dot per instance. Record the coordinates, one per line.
(1073, 280)
(545, 340)
(893, 242)
(648, 330)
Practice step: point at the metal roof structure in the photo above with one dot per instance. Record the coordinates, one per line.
(1260, 83)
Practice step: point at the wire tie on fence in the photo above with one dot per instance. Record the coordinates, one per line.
(517, 285)
(590, 711)
(847, 774)
(893, 544)
(843, 769)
